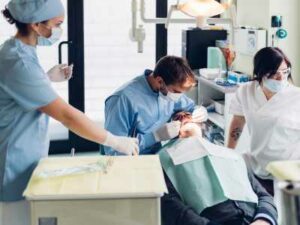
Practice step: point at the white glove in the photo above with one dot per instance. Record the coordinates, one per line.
(199, 115)
(190, 130)
(61, 72)
(168, 131)
(125, 145)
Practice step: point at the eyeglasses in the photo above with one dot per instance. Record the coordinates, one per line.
(281, 73)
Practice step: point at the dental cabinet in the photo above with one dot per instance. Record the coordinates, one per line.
(96, 190)
(208, 93)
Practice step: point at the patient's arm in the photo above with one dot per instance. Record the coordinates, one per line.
(176, 212)
(266, 207)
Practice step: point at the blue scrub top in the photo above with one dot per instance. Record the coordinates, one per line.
(136, 108)
(24, 88)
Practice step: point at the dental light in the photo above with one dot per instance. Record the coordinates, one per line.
(200, 10)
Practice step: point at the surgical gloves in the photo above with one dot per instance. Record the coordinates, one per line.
(125, 145)
(190, 130)
(167, 131)
(199, 115)
(61, 72)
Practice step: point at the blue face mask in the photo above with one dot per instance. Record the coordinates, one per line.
(56, 33)
(275, 86)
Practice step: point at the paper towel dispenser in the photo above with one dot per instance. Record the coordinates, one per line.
(248, 40)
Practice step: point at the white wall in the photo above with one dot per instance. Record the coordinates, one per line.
(289, 9)
(257, 13)
(111, 59)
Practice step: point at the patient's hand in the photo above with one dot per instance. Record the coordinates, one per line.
(260, 222)
(189, 130)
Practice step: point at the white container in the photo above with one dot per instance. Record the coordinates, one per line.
(248, 41)
(211, 74)
(128, 192)
(220, 106)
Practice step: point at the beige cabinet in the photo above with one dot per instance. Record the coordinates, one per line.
(74, 191)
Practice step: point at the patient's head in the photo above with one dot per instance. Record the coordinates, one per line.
(183, 117)
(188, 128)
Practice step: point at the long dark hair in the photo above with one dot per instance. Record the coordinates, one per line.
(267, 61)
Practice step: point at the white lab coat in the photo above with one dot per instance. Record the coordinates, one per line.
(274, 125)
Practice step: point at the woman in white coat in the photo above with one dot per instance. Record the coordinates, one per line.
(270, 107)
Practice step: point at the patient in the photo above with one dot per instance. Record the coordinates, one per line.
(175, 211)
(188, 127)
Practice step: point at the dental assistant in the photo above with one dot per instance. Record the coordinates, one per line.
(27, 99)
(270, 108)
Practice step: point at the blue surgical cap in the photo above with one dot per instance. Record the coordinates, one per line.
(34, 11)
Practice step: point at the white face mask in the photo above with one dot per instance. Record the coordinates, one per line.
(275, 86)
(56, 33)
(171, 96)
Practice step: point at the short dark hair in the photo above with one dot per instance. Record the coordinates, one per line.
(173, 70)
(267, 61)
(21, 27)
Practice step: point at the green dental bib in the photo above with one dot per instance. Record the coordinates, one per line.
(210, 179)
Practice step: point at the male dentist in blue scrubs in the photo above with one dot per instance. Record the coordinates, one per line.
(144, 106)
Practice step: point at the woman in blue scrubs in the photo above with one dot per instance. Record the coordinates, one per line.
(27, 99)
